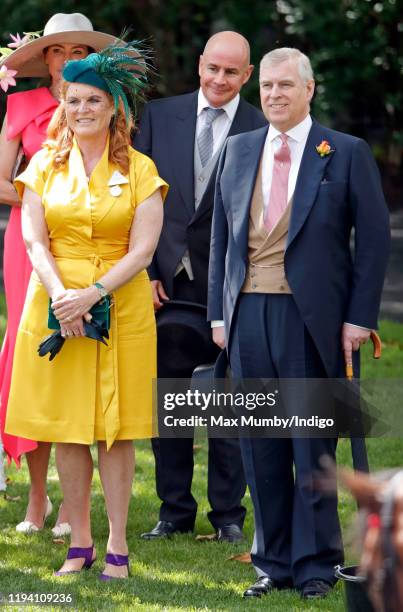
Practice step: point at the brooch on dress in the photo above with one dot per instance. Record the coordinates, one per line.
(114, 183)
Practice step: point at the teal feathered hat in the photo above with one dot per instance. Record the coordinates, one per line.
(120, 69)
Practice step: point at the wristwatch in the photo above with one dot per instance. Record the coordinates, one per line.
(101, 290)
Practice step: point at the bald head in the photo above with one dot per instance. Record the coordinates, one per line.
(224, 67)
(228, 39)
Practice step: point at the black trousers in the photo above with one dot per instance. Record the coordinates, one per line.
(174, 462)
(297, 531)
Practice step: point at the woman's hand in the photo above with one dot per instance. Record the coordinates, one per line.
(74, 328)
(73, 304)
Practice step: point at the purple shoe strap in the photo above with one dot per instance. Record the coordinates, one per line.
(117, 559)
(81, 553)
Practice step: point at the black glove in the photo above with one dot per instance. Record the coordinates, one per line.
(54, 343)
(95, 330)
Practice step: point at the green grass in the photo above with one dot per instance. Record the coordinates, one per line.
(180, 574)
(391, 363)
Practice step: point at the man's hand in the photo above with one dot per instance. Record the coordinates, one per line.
(219, 336)
(351, 339)
(158, 292)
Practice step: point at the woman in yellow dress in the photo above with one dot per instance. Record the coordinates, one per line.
(92, 215)
(65, 36)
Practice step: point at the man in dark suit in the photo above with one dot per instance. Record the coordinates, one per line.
(294, 302)
(184, 136)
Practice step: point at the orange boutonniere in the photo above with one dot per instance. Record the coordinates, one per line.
(324, 148)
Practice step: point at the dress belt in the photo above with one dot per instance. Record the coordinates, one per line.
(109, 382)
(95, 257)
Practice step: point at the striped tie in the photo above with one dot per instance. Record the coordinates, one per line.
(205, 139)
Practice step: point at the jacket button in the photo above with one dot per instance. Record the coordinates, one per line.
(254, 285)
(282, 287)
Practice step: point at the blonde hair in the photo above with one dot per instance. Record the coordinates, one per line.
(60, 137)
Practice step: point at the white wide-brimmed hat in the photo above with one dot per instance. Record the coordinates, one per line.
(61, 28)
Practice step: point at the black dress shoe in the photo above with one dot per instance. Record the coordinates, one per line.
(229, 533)
(262, 586)
(316, 588)
(164, 529)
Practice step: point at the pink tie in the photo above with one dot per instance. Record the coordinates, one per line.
(279, 185)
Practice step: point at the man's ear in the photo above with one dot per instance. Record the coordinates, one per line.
(311, 88)
(201, 61)
(248, 73)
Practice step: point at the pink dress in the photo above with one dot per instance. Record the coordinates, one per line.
(28, 116)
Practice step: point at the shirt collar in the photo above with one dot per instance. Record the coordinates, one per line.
(299, 132)
(230, 107)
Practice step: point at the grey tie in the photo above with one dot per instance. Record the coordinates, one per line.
(205, 139)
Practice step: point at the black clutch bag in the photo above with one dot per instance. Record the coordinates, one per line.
(100, 313)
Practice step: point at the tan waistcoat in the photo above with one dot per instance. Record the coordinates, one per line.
(265, 272)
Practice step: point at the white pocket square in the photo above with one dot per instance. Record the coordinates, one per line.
(117, 179)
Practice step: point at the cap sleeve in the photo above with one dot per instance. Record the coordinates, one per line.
(146, 178)
(35, 174)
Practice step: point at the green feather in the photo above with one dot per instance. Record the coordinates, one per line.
(125, 69)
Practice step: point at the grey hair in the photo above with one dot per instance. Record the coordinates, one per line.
(284, 54)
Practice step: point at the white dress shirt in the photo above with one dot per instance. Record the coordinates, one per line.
(222, 124)
(297, 137)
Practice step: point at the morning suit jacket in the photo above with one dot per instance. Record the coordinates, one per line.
(333, 194)
(167, 135)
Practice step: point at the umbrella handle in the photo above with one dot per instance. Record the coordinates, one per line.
(349, 371)
(376, 341)
(377, 344)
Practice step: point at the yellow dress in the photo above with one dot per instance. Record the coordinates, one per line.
(89, 391)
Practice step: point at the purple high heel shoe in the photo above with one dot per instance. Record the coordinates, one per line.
(117, 560)
(79, 553)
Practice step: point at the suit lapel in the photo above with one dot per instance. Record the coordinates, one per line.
(310, 174)
(245, 173)
(239, 124)
(183, 122)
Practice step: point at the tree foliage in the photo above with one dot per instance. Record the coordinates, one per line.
(353, 46)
